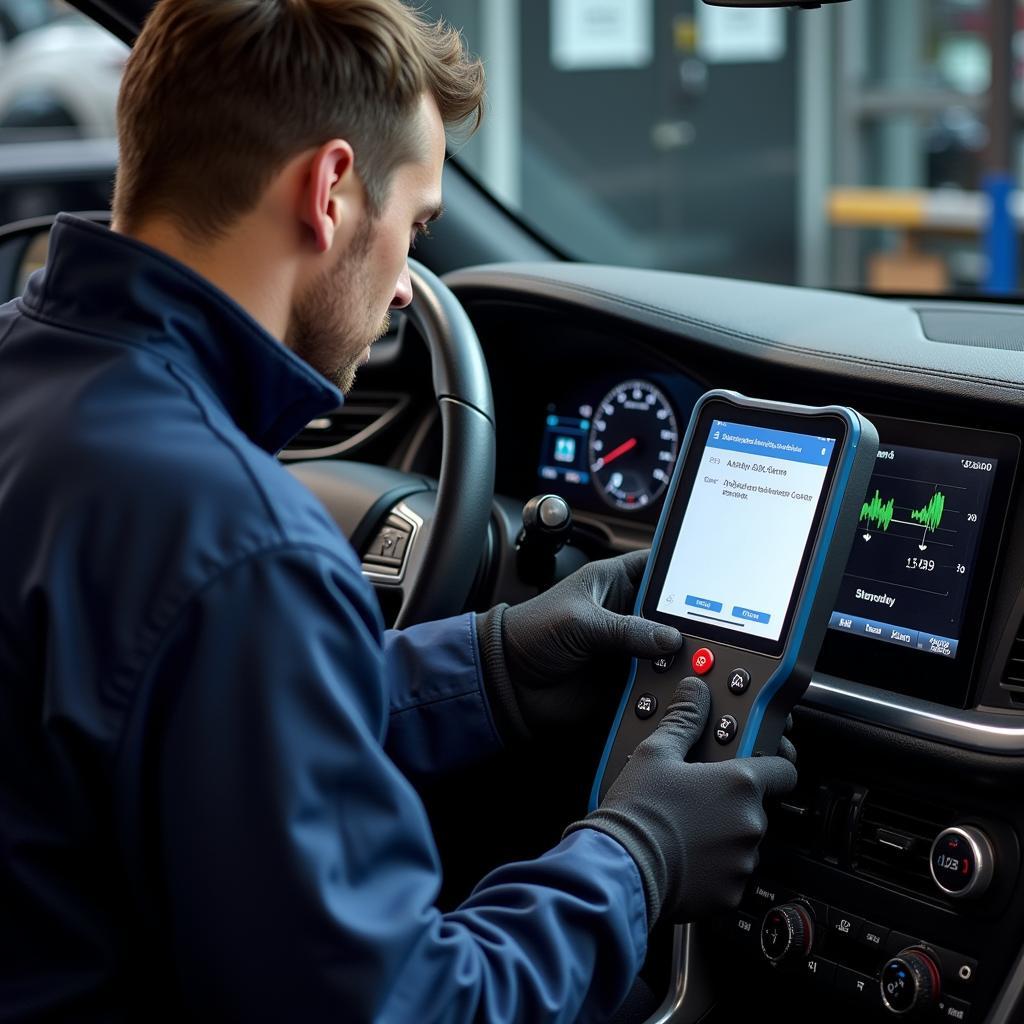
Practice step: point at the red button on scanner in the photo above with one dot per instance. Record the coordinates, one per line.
(703, 661)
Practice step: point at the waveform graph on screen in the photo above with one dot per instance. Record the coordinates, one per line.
(920, 528)
(931, 515)
(878, 513)
(912, 532)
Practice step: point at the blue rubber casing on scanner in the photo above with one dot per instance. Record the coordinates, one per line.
(778, 681)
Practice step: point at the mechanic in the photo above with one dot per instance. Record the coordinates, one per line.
(208, 740)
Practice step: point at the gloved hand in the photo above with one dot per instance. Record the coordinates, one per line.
(560, 658)
(693, 829)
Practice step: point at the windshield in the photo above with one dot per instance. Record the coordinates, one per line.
(853, 146)
(871, 145)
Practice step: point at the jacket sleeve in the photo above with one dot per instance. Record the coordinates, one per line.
(439, 717)
(292, 862)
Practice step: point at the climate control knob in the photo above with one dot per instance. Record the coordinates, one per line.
(962, 861)
(787, 933)
(910, 982)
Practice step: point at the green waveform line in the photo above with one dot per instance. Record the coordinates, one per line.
(931, 515)
(877, 512)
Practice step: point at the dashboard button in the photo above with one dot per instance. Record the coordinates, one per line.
(873, 935)
(739, 680)
(787, 933)
(962, 861)
(910, 982)
(743, 927)
(900, 940)
(703, 660)
(763, 895)
(862, 988)
(958, 971)
(663, 664)
(846, 926)
(820, 972)
(725, 729)
(646, 705)
(953, 1009)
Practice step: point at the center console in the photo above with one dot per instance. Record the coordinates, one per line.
(889, 883)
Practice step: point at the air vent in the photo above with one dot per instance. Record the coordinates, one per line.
(363, 416)
(1012, 678)
(893, 838)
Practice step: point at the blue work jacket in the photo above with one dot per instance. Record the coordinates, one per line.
(206, 733)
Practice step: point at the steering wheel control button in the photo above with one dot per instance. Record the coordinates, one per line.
(385, 554)
(739, 681)
(909, 982)
(703, 660)
(646, 705)
(962, 862)
(786, 933)
(725, 730)
(663, 664)
(843, 925)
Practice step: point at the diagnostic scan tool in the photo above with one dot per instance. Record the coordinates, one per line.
(749, 552)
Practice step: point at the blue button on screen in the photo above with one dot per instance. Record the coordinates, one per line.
(703, 602)
(750, 615)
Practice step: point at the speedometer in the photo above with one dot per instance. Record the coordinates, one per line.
(632, 445)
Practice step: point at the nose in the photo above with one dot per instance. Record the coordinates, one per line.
(403, 289)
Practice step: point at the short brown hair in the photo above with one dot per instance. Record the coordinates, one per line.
(218, 95)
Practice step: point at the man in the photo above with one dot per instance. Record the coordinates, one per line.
(205, 732)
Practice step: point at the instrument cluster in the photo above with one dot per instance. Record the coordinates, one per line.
(611, 445)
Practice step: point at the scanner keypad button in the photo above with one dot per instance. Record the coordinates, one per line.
(646, 705)
(725, 729)
(703, 660)
(739, 681)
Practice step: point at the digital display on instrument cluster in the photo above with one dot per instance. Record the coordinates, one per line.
(619, 449)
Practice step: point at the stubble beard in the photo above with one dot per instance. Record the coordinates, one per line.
(325, 329)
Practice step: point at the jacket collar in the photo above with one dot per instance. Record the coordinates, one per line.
(99, 282)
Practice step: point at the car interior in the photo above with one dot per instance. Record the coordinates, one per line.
(519, 372)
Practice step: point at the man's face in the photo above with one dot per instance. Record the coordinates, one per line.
(346, 307)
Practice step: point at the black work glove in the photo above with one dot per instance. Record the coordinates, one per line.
(560, 659)
(693, 829)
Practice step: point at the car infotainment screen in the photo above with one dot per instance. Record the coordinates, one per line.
(746, 530)
(916, 547)
(910, 609)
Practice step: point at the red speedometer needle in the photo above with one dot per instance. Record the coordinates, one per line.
(626, 446)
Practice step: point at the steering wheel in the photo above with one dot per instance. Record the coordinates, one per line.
(440, 533)
(436, 536)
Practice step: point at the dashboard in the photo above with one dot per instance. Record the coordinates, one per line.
(913, 725)
(926, 543)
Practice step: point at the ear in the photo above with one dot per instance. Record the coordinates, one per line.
(329, 200)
